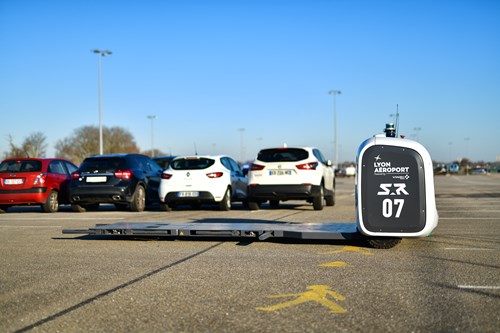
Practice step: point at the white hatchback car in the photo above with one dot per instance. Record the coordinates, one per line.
(300, 173)
(195, 180)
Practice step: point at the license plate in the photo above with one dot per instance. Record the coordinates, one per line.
(98, 179)
(16, 181)
(187, 194)
(280, 172)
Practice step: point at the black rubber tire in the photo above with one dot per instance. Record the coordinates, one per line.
(330, 199)
(383, 242)
(138, 202)
(52, 203)
(318, 201)
(225, 204)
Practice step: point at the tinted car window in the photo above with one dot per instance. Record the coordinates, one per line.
(282, 155)
(21, 166)
(56, 167)
(191, 164)
(102, 164)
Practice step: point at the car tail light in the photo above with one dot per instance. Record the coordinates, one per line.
(75, 175)
(256, 167)
(40, 179)
(123, 174)
(308, 166)
(166, 175)
(214, 174)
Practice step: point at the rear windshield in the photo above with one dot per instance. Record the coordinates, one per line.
(21, 166)
(191, 163)
(103, 164)
(282, 155)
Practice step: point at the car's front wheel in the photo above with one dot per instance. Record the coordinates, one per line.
(318, 200)
(52, 203)
(138, 199)
(225, 204)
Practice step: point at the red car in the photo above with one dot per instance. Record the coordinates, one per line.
(35, 181)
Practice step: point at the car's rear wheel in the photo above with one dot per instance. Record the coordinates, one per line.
(318, 201)
(52, 203)
(225, 204)
(138, 199)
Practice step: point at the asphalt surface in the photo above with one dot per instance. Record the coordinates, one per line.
(448, 282)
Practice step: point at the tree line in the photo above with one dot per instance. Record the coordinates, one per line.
(83, 142)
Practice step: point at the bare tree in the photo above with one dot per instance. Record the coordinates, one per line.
(33, 146)
(85, 142)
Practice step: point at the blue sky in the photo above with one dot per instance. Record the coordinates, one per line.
(208, 69)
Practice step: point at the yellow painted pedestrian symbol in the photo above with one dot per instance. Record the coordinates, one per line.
(316, 293)
(350, 248)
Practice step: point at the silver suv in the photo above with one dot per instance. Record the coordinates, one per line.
(300, 173)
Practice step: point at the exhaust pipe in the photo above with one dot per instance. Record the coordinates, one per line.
(76, 198)
(116, 197)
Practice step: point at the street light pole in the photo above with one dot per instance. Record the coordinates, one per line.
(99, 55)
(152, 117)
(335, 143)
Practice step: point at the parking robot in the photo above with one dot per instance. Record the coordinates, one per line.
(394, 190)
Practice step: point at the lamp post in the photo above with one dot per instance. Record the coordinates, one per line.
(152, 117)
(335, 143)
(99, 55)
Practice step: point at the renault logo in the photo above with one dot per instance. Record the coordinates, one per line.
(188, 174)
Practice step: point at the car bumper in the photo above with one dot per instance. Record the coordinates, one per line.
(35, 195)
(283, 192)
(100, 195)
(203, 197)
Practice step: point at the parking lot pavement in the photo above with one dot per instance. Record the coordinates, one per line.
(449, 281)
